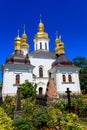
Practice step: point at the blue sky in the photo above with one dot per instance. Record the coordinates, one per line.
(68, 17)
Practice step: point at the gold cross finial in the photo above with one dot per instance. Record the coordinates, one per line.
(18, 33)
(56, 34)
(24, 28)
(60, 37)
(40, 18)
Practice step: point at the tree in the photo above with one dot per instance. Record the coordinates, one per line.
(28, 90)
(82, 63)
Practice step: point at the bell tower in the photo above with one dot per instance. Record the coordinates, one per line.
(41, 40)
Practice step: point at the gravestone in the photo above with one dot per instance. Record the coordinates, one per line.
(18, 112)
(69, 99)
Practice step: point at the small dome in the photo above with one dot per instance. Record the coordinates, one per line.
(17, 39)
(17, 43)
(24, 36)
(57, 40)
(24, 40)
(41, 27)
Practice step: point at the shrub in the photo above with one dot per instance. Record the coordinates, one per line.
(22, 124)
(71, 121)
(5, 121)
(9, 105)
(80, 106)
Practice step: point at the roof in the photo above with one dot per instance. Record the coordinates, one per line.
(17, 66)
(18, 58)
(43, 54)
(62, 62)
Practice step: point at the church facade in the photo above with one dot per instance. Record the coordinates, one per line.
(39, 65)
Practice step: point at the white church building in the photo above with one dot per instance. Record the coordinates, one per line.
(39, 65)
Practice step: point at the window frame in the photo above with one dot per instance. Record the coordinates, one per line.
(69, 78)
(41, 72)
(17, 79)
(64, 78)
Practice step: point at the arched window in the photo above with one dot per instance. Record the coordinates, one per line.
(17, 80)
(64, 78)
(46, 46)
(69, 78)
(40, 91)
(40, 45)
(40, 72)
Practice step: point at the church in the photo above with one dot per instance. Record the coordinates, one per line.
(39, 65)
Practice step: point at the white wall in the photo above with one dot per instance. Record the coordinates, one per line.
(9, 86)
(74, 86)
(43, 41)
(46, 63)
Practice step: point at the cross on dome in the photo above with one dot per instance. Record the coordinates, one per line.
(56, 34)
(60, 38)
(18, 32)
(24, 28)
(40, 18)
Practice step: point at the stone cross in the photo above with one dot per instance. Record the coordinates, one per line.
(69, 99)
(18, 102)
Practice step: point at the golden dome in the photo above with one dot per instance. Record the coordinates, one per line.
(17, 44)
(24, 40)
(24, 37)
(40, 33)
(41, 27)
(57, 41)
(59, 46)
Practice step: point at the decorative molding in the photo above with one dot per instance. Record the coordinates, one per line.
(68, 82)
(16, 85)
(41, 83)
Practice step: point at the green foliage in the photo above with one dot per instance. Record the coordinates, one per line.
(5, 121)
(54, 116)
(39, 118)
(46, 117)
(70, 121)
(22, 124)
(80, 105)
(28, 90)
(9, 105)
(61, 104)
(28, 106)
(83, 79)
(50, 117)
(82, 63)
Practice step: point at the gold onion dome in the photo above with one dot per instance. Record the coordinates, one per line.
(41, 27)
(17, 44)
(59, 46)
(57, 41)
(40, 33)
(24, 40)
